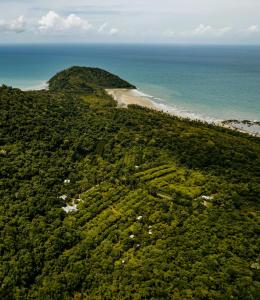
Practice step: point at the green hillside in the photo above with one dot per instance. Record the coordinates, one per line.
(86, 80)
(161, 208)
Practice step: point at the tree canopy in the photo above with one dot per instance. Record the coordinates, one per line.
(85, 79)
(158, 207)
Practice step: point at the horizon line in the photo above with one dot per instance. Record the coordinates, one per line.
(127, 43)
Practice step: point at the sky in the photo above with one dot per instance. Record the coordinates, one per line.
(130, 21)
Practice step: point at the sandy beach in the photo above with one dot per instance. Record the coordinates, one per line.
(124, 97)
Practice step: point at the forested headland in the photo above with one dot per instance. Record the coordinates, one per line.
(101, 202)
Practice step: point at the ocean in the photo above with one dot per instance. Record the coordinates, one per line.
(205, 82)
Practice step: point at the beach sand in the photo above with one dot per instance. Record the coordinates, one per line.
(124, 97)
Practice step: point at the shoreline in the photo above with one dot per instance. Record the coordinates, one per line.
(125, 97)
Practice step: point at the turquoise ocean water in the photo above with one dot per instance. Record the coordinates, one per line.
(208, 82)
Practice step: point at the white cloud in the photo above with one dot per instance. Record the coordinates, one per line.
(106, 29)
(102, 27)
(202, 29)
(54, 22)
(17, 25)
(113, 31)
(253, 28)
(223, 30)
(187, 20)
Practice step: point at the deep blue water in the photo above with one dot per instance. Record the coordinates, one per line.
(219, 82)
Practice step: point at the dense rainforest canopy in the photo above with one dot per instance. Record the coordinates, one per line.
(100, 202)
(85, 80)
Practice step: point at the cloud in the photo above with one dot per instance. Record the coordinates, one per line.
(102, 27)
(223, 30)
(253, 29)
(203, 29)
(106, 29)
(200, 31)
(113, 31)
(17, 25)
(54, 22)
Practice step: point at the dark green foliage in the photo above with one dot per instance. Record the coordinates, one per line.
(86, 80)
(123, 164)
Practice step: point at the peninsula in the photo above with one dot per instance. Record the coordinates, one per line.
(103, 202)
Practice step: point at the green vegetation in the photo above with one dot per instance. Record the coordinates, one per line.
(168, 208)
(86, 80)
